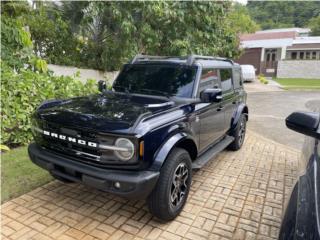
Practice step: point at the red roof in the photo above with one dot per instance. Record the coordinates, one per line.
(269, 35)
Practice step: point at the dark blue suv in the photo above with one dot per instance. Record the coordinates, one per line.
(163, 117)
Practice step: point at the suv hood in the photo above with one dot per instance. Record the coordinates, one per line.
(108, 112)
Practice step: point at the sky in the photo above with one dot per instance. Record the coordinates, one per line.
(242, 1)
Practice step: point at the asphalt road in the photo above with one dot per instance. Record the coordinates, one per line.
(268, 110)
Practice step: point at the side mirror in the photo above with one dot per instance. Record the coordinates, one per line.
(211, 95)
(306, 123)
(102, 85)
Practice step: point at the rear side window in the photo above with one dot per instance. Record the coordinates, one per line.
(226, 80)
(209, 79)
(237, 81)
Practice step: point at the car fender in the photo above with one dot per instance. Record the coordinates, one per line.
(242, 108)
(164, 150)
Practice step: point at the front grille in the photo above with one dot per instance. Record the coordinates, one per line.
(79, 151)
(42, 131)
(73, 150)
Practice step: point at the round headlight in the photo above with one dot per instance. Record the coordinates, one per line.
(128, 149)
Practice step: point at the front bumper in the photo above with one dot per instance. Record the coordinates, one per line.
(133, 184)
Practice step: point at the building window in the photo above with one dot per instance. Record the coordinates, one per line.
(314, 55)
(301, 55)
(307, 55)
(268, 57)
(294, 55)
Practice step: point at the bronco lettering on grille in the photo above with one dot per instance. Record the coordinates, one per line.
(69, 139)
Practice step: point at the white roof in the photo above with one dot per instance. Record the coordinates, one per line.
(278, 43)
(302, 40)
(269, 43)
(299, 30)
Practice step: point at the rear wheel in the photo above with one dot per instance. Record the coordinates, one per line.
(171, 192)
(239, 133)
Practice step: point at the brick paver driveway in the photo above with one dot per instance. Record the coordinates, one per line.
(239, 195)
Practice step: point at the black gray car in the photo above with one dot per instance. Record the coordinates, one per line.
(302, 216)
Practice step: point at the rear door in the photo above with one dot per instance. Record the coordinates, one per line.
(211, 115)
(229, 100)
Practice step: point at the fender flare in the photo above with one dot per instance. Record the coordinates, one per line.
(164, 150)
(242, 108)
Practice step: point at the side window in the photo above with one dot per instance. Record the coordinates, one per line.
(237, 81)
(226, 80)
(209, 79)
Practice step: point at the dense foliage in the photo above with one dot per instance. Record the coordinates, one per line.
(23, 91)
(314, 25)
(25, 81)
(241, 21)
(52, 37)
(117, 31)
(104, 35)
(282, 14)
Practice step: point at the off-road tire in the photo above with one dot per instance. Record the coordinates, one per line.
(239, 134)
(61, 179)
(159, 201)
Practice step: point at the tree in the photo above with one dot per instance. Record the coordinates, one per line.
(314, 25)
(104, 35)
(25, 81)
(241, 20)
(282, 14)
(53, 38)
(16, 44)
(115, 31)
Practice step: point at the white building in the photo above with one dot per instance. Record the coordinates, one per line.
(267, 50)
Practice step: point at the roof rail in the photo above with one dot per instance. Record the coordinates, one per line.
(146, 57)
(190, 59)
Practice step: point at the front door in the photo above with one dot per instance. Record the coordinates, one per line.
(271, 55)
(270, 62)
(211, 115)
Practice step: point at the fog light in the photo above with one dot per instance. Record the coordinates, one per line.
(117, 185)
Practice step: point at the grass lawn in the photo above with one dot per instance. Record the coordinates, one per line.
(19, 175)
(298, 83)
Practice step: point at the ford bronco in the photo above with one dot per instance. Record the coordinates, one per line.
(163, 118)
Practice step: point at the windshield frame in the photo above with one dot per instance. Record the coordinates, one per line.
(196, 67)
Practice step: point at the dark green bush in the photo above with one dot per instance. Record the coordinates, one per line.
(22, 92)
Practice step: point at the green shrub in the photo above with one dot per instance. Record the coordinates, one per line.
(262, 79)
(23, 91)
(261, 76)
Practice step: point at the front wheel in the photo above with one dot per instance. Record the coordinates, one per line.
(239, 133)
(169, 196)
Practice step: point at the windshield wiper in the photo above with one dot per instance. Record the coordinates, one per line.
(156, 92)
(126, 90)
(150, 91)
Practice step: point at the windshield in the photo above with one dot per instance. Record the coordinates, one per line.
(163, 80)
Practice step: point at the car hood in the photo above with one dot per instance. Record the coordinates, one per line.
(108, 112)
